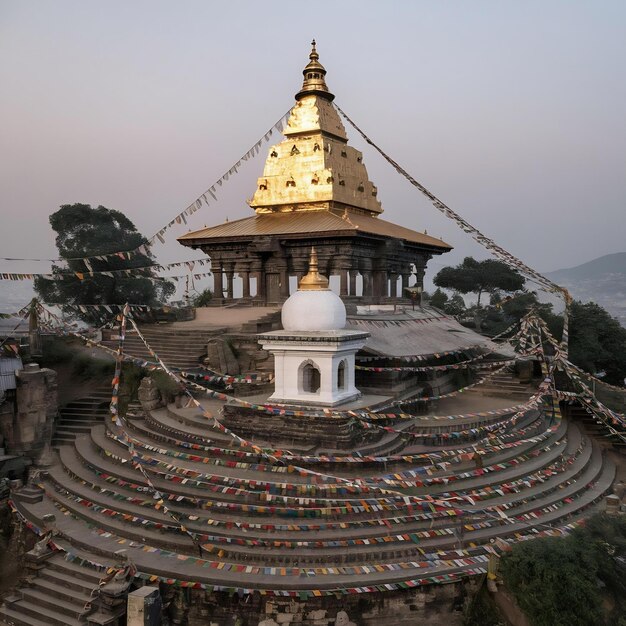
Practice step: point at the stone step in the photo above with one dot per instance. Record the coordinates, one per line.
(64, 435)
(42, 598)
(87, 411)
(79, 597)
(13, 616)
(30, 613)
(148, 562)
(65, 423)
(74, 571)
(126, 507)
(64, 583)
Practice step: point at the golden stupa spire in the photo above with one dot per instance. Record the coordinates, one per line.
(314, 77)
(313, 281)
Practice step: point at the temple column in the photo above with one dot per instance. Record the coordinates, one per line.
(367, 283)
(230, 274)
(393, 284)
(343, 282)
(260, 286)
(353, 274)
(245, 277)
(284, 284)
(420, 270)
(380, 278)
(218, 286)
(405, 283)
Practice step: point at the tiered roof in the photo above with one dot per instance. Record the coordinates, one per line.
(313, 181)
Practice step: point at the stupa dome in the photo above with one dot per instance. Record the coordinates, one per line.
(314, 307)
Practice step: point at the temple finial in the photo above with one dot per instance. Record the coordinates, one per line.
(313, 281)
(314, 77)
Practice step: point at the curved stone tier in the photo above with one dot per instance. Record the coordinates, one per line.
(254, 524)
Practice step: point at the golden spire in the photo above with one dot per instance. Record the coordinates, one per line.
(314, 81)
(313, 281)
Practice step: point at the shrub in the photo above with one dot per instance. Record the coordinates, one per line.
(203, 298)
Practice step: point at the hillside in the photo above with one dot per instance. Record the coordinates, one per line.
(602, 280)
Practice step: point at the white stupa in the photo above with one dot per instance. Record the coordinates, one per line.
(314, 353)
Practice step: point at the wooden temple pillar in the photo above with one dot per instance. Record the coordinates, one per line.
(218, 285)
(368, 284)
(405, 282)
(352, 276)
(255, 270)
(230, 274)
(245, 277)
(343, 282)
(284, 283)
(379, 280)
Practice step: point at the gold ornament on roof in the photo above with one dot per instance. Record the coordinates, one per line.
(313, 281)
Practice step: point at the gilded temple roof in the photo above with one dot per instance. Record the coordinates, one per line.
(314, 223)
(313, 181)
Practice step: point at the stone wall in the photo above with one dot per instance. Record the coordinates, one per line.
(435, 605)
(29, 427)
(336, 433)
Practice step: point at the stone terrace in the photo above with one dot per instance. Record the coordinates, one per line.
(268, 525)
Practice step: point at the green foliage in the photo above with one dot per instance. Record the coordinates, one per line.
(455, 305)
(482, 610)
(474, 276)
(67, 351)
(131, 379)
(597, 342)
(557, 581)
(84, 231)
(438, 299)
(203, 298)
(165, 384)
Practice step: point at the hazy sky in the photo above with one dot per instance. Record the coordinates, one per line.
(511, 112)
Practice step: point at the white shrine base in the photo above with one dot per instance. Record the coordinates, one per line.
(297, 353)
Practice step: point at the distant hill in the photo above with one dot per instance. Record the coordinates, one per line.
(602, 280)
(608, 264)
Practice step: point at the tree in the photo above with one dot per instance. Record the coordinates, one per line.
(597, 341)
(557, 580)
(439, 299)
(474, 276)
(83, 231)
(455, 305)
(203, 298)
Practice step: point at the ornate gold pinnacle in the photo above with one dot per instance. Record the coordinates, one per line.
(313, 281)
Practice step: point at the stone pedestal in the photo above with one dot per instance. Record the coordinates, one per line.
(144, 607)
(315, 368)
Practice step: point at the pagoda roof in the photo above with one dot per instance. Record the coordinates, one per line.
(312, 223)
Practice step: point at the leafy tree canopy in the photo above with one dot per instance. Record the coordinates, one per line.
(83, 231)
(474, 276)
(438, 299)
(453, 305)
(557, 581)
(597, 341)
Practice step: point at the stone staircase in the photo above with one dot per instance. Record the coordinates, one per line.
(593, 428)
(266, 323)
(56, 596)
(182, 348)
(506, 385)
(548, 476)
(78, 417)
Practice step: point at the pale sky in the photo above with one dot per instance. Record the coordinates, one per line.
(513, 113)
